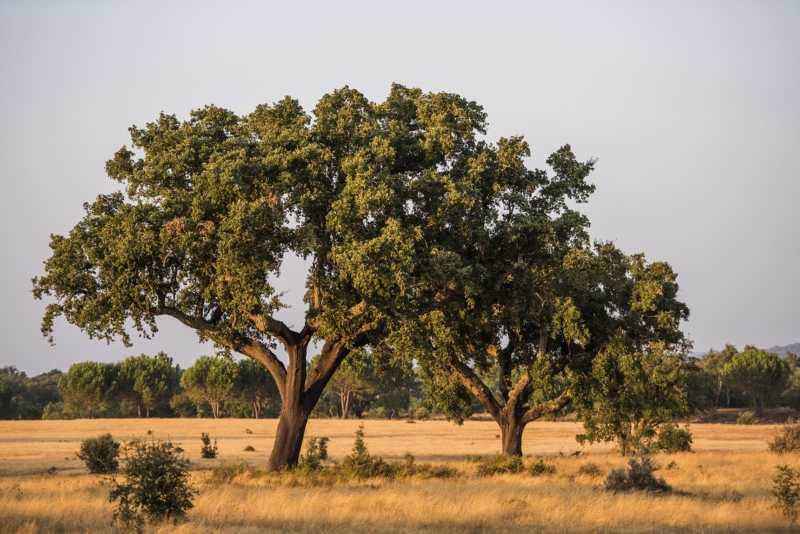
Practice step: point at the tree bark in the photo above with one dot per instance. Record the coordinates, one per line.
(288, 438)
(511, 436)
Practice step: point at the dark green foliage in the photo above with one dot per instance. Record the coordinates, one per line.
(207, 450)
(29, 395)
(8, 408)
(156, 485)
(627, 395)
(88, 388)
(638, 477)
(100, 454)
(672, 439)
(786, 490)
(210, 380)
(788, 440)
(254, 391)
(147, 383)
(760, 374)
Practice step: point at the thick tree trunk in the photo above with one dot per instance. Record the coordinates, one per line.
(511, 436)
(288, 438)
(138, 411)
(148, 412)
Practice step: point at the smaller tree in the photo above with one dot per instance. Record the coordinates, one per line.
(100, 454)
(88, 386)
(760, 374)
(713, 363)
(210, 380)
(631, 394)
(350, 380)
(156, 484)
(151, 381)
(255, 387)
(787, 492)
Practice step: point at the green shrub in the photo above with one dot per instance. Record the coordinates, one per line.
(500, 464)
(672, 439)
(360, 463)
(638, 477)
(746, 418)
(538, 467)
(156, 485)
(788, 440)
(100, 454)
(207, 451)
(316, 453)
(786, 492)
(250, 448)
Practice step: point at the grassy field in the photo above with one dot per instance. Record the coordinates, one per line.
(725, 483)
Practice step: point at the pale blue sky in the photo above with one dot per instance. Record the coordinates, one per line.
(691, 108)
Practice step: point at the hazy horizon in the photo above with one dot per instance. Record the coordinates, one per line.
(690, 108)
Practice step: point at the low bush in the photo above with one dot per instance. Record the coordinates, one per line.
(100, 454)
(538, 467)
(156, 486)
(788, 440)
(316, 453)
(746, 418)
(500, 464)
(638, 477)
(786, 491)
(207, 451)
(672, 439)
(249, 448)
(591, 470)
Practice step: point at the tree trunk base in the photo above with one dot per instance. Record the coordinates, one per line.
(288, 441)
(511, 436)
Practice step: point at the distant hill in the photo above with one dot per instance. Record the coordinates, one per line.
(794, 347)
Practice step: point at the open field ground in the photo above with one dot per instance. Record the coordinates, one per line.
(725, 483)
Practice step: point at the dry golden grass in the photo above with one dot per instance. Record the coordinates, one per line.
(726, 482)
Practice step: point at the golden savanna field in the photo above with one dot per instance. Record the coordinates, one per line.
(724, 485)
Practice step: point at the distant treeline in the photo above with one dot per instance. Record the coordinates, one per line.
(152, 386)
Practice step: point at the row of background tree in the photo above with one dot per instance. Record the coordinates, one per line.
(145, 386)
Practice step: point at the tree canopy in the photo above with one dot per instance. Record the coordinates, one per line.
(758, 373)
(424, 241)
